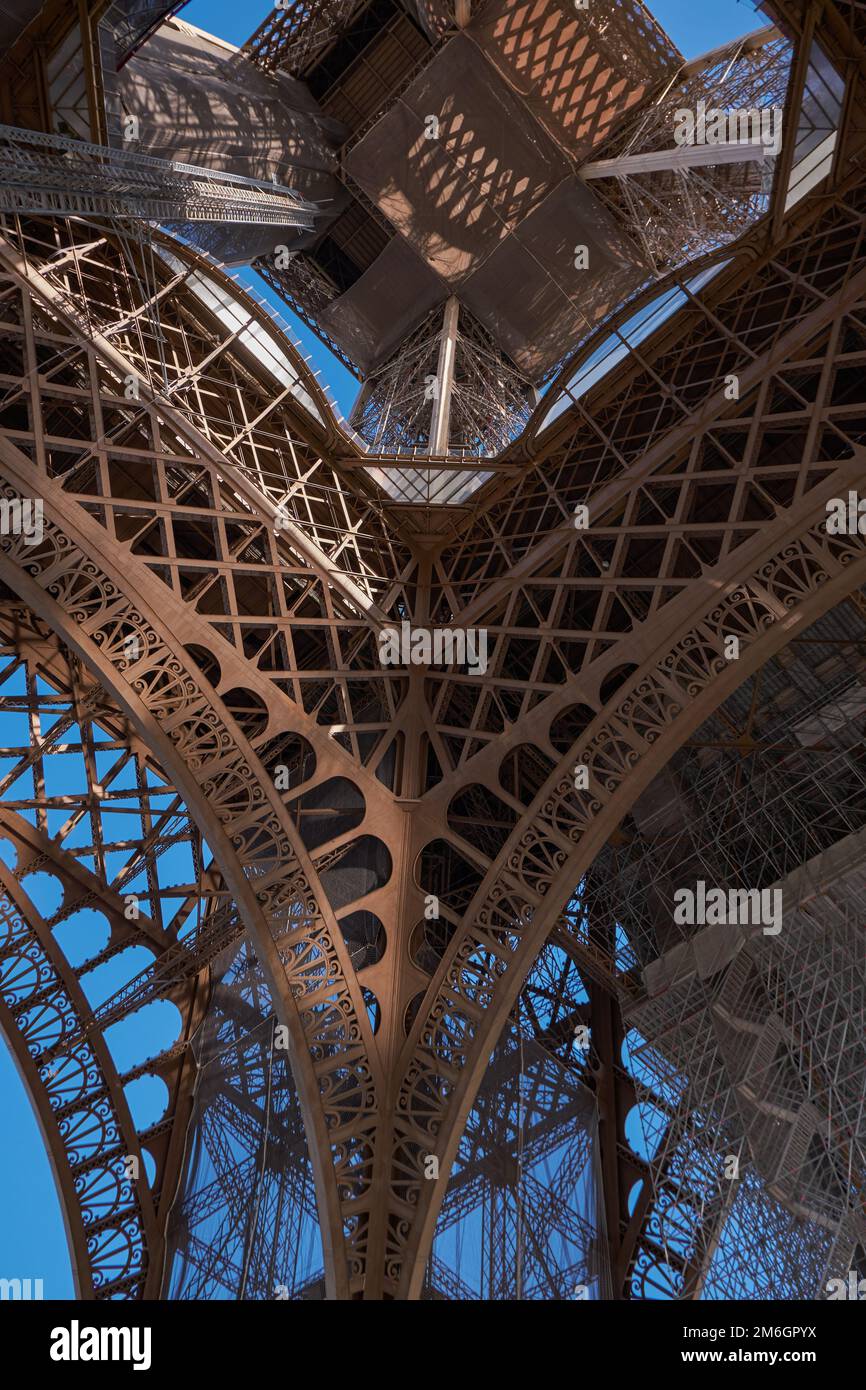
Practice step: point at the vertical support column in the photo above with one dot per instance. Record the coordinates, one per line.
(92, 75)
(440, 423)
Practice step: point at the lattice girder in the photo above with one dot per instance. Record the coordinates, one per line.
(161, 514)
(114, 1208)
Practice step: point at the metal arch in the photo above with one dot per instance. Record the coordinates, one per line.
(113, 1221)
(609, 662)
(790, 571)
(186, 624)
(48, 1082)
(787, 570)
(75, 1076)
(598, 435)
(238, 493)
(254, 507)
(26, 276)
(639, 481)
(535, 876)
(335, 438)
(528, 445)
(212, 764)
(27, 939)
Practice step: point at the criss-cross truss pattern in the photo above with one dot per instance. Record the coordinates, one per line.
(111, 909)
(290, 38)
(395, 942)
(490, 402)
(676, 212)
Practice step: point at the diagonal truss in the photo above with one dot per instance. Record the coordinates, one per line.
(201, 613)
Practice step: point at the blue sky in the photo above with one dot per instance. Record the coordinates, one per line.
(698, 25)
(694, 25)
(32, 1240)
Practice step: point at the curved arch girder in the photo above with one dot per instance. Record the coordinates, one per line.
(259, 852)
(527, 889)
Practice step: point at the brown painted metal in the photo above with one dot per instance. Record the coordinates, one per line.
(209, 514)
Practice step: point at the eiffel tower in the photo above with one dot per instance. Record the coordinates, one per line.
(352, 767)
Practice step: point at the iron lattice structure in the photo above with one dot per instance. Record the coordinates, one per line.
(490, 400)
(133, 21)
(47, 173)
(678, 213)
(295, 33)
(428, 985)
